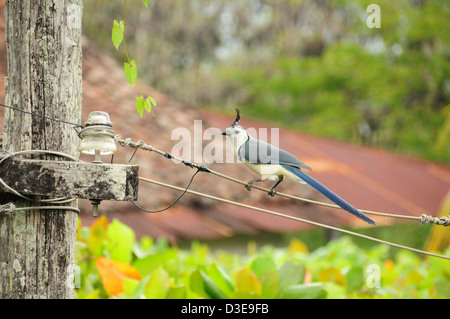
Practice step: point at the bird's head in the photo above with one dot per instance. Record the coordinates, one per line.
(235, 132)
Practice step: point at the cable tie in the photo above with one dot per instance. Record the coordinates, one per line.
(203, 168)
(428, 219)
(7, 208)
(10, 208)
(187, 163)
(444, 221)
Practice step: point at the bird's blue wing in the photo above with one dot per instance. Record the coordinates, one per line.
(329, 194)
(260, 152)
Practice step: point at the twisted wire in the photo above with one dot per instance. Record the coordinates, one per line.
(128, 142)
(270, 212)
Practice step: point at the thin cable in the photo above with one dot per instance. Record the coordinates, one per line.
(9, 208)
(424, 218)
(43, 116)
(293, 218)
(60, 200)
(176, 200)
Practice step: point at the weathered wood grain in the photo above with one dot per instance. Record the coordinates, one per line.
(43, 40)
(71, 179)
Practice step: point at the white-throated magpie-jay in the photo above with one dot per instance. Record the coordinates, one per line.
(273, 163)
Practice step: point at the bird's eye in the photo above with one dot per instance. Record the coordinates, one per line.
(236, 132)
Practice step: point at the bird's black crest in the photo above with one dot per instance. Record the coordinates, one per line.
(238, 117)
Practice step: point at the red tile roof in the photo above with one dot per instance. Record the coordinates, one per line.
(369, 178)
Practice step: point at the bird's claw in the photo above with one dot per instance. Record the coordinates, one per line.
(271, 193)
(249, 186)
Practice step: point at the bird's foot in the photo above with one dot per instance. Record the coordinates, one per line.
(272, 193)
(249, 186)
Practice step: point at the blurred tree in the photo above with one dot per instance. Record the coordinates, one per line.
(310, 65)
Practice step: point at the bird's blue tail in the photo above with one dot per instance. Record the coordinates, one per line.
(329, 194)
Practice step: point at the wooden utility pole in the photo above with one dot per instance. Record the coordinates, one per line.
(44, 77)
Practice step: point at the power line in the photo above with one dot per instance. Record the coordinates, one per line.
(267, 211)
(11, 208)
(424, 218)
(176, 200)
(43, 116)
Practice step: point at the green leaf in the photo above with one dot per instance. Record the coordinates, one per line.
(139, 289)
(221, 279)
(147, 105)
(304, 291)
(145, 3)
(149, 263)
(130, 287)
(121, 239)
(118, 31)
(332, 274)
(158, 284)
(290, 273)
(146, 242)
(442, 287)
(143, 249)
(177, 292)
(269, 282)
(247, 285)
(196, 283)
(130, 71)
(335, 291)
(98, 235)
(211, 288)
(152, 100)
(140, 105)
(203, 285)
(261, 265)
(354, 277)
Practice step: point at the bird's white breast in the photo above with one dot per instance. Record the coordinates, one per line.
(271, 172)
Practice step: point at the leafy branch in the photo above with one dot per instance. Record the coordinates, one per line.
(130, 67)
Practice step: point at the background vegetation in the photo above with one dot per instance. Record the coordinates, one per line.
(113, 263)
(312, 66)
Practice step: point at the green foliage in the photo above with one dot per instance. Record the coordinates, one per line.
(312, 67)
(120, 241)
(144, 103)
(130, 67)
(114, 264)
(333, 94)
(130, 71)
(118, 31)
(393, 80)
